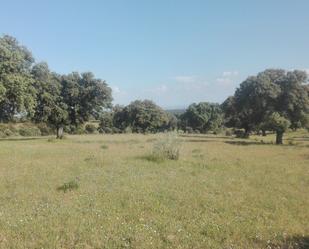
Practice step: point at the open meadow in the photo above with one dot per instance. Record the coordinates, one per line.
(102, 191)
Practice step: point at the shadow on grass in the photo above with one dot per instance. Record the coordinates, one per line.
(205, 136)
(201, 140)
(250, 142)
(300, 139)
(246, 143)
(151, 158)
(293, 242)
(21, 139)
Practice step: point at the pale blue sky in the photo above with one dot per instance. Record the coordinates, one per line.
(173, 52)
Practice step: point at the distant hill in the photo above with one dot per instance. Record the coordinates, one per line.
(176, 111)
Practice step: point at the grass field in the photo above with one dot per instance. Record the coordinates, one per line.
(221, 193)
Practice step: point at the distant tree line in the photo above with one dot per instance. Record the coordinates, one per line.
(274, 100)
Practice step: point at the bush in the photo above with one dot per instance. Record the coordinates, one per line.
(45, 129)
(166, 148)
(116, 130)
(69, 186)
(90, 128)
(7, 130)
(105, 130)
(228, 132)
(240, 133)
(189, 130)
(72, 129)
(104, 147)
(29, 131)
(8, 133)
(128, 130)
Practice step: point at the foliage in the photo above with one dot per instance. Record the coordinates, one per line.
(278, 123)
(23, 129)
(271, 91)
(17, 93)
(85, 96)
(90, 128)
(141, 117)
(29, 131)
(32, 91)
(45, 129)
(106, 122)
(202, 117)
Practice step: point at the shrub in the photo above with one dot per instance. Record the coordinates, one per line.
(77, 130)
(72, 129)
(105, 130)
(90, 128)
(128, 130)
(45, 129)
(166, 148)
(228, 132)
(116, 130)
(8, 133)
(7, 130)
(29, 131)
(69, 186)
(240, 133)
(189, 130)
(104, 147)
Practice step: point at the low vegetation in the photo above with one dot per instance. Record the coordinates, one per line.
(222, 192)
(167, 147)
(69, 186)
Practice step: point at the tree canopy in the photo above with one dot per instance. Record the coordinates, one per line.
(142, 116)
(202, 117)
(17, 94)
(272, 91)
(32, 90)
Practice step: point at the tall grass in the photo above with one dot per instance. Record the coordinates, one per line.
(166, 148)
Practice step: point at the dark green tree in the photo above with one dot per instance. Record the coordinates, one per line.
(141, 116)
(106, 122)
(85, 96)
(255, 98)
(293, 101)
(50, 108)
(17, 94)
(202, 117)
(271, 91)
(231, 117)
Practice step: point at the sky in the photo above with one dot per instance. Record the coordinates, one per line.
(173, 52)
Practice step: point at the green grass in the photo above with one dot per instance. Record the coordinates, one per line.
(221, 193)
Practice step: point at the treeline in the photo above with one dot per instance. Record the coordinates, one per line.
(30, 91)
(274, 100)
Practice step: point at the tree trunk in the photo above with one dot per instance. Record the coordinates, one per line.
(279, 137)
(264, 133)
(247, 133)
(59, 132)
